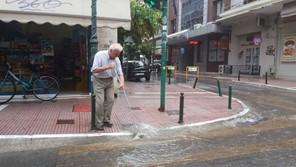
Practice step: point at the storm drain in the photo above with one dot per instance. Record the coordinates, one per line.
(65, 121)
(172, 112)
(135, 108)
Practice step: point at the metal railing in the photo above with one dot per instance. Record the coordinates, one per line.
(244, 69)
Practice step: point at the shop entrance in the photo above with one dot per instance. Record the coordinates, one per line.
(252, 56)
(58, 50)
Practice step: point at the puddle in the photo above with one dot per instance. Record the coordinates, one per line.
(142, 131)
(249, 120)
(153, 153)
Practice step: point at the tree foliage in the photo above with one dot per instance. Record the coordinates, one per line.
(146, 21)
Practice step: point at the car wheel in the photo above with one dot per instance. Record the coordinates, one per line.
(147, 78)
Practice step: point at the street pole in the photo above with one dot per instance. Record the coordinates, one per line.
(163, 55)
(93, 51)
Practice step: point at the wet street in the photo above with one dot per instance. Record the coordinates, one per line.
(266, 136)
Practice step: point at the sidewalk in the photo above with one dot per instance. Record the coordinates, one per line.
(70, 115)
(30, 117)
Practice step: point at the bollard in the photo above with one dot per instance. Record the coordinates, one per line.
(195, 83)
(169, 77)
(266, 78)
(219, 88)
(229, 97)
(93, 112)
(238, 75)
(181, 108)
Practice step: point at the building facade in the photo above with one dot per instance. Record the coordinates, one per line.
(262, 37)
(254, 37)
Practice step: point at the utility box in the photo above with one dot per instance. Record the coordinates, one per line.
(221, 69)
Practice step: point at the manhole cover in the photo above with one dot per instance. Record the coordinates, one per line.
(172, 112)
(135, 108)
(65, 121)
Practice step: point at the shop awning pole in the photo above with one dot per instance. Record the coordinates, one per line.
(93, 51)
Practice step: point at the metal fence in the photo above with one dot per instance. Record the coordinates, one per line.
(244, 69)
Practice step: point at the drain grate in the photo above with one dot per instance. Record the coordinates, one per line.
(172, 112)
(135, 108)
(65, 121)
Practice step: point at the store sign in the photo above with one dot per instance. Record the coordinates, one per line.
(192, 69)
(257, 40)
(182, 50)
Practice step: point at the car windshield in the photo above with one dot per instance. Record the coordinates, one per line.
(138, 63)
(135, 64)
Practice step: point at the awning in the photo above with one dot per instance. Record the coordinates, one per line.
(207, 29)
(289, 9)
(178, 37)
(110, 13)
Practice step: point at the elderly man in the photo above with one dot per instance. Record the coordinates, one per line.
(105, 66)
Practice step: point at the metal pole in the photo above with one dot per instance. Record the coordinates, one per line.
(129, 106)
(181, 112)
(163, 55)
(229, 97)
(94, 49)
(219, 88)
(195, 83)
(169, 76)
(266, 78)
(238, 75)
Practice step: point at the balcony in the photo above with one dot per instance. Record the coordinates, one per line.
(246, 7)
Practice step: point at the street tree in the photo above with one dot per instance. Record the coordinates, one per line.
(146, 21)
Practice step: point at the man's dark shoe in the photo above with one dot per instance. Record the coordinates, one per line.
(100, 127)
(108, 124)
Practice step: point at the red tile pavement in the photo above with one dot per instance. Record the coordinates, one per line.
(32, 117)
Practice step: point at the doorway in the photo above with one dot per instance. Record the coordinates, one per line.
(252, 58)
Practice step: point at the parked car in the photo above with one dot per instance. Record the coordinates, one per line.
(155, 66)
(135, 69)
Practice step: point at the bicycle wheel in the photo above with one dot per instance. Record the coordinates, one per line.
(7, 90)
(46, 88)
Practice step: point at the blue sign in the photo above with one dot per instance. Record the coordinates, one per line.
(257, 40)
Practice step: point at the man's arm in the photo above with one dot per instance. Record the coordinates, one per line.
(121, 81)
(104, 68)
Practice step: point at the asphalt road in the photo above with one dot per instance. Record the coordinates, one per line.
(266, 136)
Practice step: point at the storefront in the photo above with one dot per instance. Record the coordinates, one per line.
(55, 35)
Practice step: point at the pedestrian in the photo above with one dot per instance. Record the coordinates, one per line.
(105, 64)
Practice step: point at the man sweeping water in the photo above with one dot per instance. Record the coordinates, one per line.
(106, 65)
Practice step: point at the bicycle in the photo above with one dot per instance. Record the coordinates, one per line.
(43, 87)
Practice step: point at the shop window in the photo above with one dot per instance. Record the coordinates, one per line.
(216, 54)
(219, 6)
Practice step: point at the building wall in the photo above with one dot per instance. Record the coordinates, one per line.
(106, 37)
(172, 15)
(285, 70)
(239, 44)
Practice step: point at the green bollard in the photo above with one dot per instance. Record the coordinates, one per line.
(219, 88)
(181, 108)
(229, 97)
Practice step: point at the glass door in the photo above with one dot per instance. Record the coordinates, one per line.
(252, 57)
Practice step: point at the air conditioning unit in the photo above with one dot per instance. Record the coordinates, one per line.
(262, 22)
(221, 69)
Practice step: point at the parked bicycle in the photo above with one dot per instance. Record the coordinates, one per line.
(44, 88)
